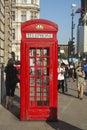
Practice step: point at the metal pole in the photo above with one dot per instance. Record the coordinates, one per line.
(72, 25)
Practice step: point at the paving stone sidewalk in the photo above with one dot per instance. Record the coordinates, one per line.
(72, 113)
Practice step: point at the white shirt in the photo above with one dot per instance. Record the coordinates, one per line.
(71, 66)
(61, 76)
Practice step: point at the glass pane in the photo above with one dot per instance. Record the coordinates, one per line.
(32, 61)
(31, 98)
(39, 82)
(38, 61)
(32, 71)
(46, 52)
(32, 52)
(39, 89)
(45, 99)
(46, 62)
(32, 92)
(46, 71)
(39, 52)
(46, 103)
(39, 103)
(39, 99)
(38, 71)
(39, 94)
(46, 81)
(46, 92)
(32, 81)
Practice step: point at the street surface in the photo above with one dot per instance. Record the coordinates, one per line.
(72, 113)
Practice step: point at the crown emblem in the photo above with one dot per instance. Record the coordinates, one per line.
(39, 27)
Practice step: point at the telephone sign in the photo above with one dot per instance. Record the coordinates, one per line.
(33, 35)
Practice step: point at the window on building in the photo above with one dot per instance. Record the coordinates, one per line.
(13, 1)
(23, 16)
(32, 1)
(23, 1)
(36, 1)
(13, 33)
(33, 15)
(13, 15)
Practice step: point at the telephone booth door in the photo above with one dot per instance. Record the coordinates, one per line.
(39, 73)
(38, 78)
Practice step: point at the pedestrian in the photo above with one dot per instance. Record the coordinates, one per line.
(66, 75)
(85, 69)
(11, 81)
(71, 70)
(61, 71)
(80, 81)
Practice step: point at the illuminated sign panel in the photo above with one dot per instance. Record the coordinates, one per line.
(39, 35)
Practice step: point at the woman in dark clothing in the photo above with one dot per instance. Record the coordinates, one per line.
(11, 80)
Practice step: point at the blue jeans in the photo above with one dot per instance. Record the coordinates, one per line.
(66, 85)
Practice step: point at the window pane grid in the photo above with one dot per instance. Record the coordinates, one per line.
(13, 15)
(39, 76)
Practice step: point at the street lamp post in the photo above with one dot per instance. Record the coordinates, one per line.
(71, 41)
(72, 24)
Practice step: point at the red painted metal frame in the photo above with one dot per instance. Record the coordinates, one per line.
(39, 113)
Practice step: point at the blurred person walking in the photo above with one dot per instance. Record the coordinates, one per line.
(11, 81)
(66, 75)
(71, 71)
(61, 71)
(85, 69)
(80, 81)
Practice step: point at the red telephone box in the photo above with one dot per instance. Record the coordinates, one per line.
(38, 78)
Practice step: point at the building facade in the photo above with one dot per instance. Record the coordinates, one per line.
(63, 48)
(5, 30)
(8, 31)
(2, 26)
(5, 38)
(22, 10)
(82, 29)
(1, 38)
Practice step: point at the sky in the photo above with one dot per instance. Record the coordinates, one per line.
(59, 12)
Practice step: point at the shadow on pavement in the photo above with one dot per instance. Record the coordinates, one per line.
(15, 110)
(72, 89)
(67, 94)
(57, 125)
(85, 93)
(61, 125)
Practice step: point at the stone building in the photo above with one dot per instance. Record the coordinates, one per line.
(5, 37)
(8, 31)
(2, 33)
(5, 30)
(12, 14)
(82, 29)
(22, 10)
(63, 48)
